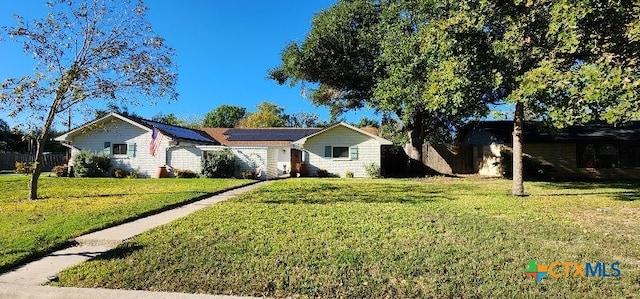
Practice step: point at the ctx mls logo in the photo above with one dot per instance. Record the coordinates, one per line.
(571, 269)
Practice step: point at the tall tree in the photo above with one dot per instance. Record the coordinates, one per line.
(568, 62)
(304, 120)
(225, 116)
(367, 122)
(393, 56)
(170, 119)
(87, 50)
(268, 115)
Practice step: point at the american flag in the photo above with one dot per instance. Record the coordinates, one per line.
(156, 138)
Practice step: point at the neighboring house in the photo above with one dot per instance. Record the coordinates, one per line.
(587, 151)
(271, 152)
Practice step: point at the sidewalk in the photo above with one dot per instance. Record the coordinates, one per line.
(26, 281)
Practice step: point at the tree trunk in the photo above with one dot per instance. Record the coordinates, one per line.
(413, 148)
(518, 125)
(60, 95)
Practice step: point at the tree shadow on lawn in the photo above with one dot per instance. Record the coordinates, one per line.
(121, 252)
(346, 194)
(624, 194)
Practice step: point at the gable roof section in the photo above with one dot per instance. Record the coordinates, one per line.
(174, 132)
(258, 136)
(380, 140)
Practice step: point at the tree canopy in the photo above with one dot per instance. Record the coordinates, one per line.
(436, 64)
(87, 51)
(225, 116)
(268, 115)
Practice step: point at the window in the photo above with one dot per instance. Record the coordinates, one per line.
(608, 155)
(340, 152)
(119, 149)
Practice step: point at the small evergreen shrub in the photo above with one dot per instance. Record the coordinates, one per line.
(323, 173)
(90, 164)
(60, 170)
(119, 173)
(25, 167)
(185, 174)
(219, 164)
(249, 175)
(372, 169)
(134, 174)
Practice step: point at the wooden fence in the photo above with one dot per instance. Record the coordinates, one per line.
(8, 160)
(448, 158)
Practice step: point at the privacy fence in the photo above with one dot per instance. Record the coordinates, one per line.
(8, 160)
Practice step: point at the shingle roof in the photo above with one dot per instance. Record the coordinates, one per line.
(258, 137)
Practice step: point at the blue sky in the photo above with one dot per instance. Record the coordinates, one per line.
(224, 50)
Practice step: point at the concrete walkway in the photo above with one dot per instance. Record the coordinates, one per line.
(26, 281)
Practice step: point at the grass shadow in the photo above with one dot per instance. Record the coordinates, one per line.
(628, 191)
(121, 252)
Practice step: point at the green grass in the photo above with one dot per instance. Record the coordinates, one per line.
(73, 206)
(349, 238)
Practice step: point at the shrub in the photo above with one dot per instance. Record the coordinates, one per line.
(249, 174)
(323, 173)
(348, 174)
(185, 173)
(134, 174)
(119, 173)
(219, 164)
(25, 167)
(90, 164)
(61, 170)
(372, 169)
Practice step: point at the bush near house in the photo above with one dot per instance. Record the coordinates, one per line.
(60, 170)
(119, 173)
(90, 164)
(372, 170)
(323, 173)
(24, 168)
(219, 164)
(185, 174)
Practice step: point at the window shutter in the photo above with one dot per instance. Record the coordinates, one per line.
(327, 151)
(131, 150)
(354, 153)
(107, 148)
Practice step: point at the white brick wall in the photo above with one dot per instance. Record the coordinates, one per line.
(368, 152)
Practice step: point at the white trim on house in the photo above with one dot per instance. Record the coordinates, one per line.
(381, 140)
(80, 129)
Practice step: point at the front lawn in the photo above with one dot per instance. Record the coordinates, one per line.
(358, 238)
(73, 206)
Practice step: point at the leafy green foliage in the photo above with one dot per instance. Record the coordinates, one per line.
(170, 119)
(185, 174)
(436, 237)
(86, 50)
(24, 167)
(119, 173)
(219, 164)
(372, 169)
(268, 115)
(225, 116)
(67, 210)
(90, 164)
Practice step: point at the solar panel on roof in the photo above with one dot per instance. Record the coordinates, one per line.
(178, 132)
(274, 134)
